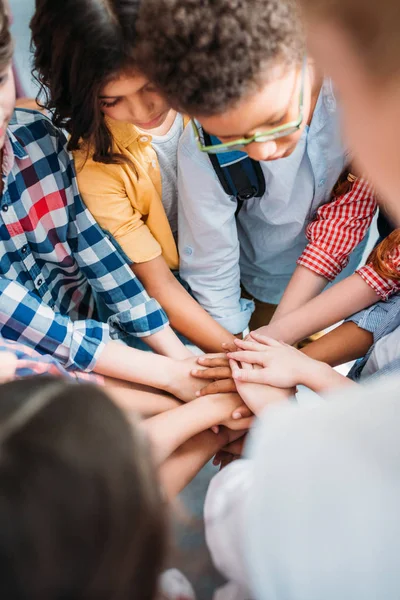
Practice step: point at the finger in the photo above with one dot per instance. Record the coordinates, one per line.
(219, 360)
(215, 373)
(239, 424)
(229, 346)
(253, 376)
(236, 447)
(264, 339)
(250, 345)
(254, 358)
(222, 386)
(243, 412)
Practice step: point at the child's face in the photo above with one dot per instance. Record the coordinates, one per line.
(7, 100)
(276, 103)
(132, 99)
(371, 111)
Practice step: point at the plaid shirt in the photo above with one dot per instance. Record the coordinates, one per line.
(53, 255)
(30, 363)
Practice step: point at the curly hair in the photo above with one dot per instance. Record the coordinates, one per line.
(206, 56)
(79, 45)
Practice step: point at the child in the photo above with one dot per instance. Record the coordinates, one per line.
(382, 274)
(256, 91)
(125, 138)
(82, 513)
(54, 256)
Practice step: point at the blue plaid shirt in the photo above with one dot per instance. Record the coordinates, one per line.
(380, 319)
(54, 255)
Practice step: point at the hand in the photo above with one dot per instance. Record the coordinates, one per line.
(182, 384)
(232, 451)
(258, 395)
(215, 367)
(237, 415)
(281, 365)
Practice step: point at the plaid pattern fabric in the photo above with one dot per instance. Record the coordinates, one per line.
(30, 362)
(337, 229)
(380, 319)
(53, 255)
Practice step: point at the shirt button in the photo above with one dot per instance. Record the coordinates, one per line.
(144, 138)
(39, 282)
(24, 249)
(188, 251)
(321, 182)
(5, 208)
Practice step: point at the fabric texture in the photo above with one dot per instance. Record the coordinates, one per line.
(126, 199)
(54, 255)
(259, 248)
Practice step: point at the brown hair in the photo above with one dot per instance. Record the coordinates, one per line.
(373, 26)
(6, 44)
(80, 512)
(207, 55)
(79, 45)
(382, 256)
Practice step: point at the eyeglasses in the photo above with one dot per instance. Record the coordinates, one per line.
(260, 137)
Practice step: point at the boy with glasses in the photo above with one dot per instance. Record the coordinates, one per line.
(239, 68)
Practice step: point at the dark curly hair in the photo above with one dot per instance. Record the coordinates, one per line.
(6, 44)
(205, 56)
(79, 45)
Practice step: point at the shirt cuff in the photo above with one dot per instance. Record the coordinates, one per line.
(87, 342)
(237, 322)
(383, 287)
(140, 321)
(319, 261)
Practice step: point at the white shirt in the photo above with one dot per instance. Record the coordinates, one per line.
(314, 513)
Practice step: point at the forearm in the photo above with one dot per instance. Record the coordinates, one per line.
(323, 378)
(184, 313)
(142, 402)
(180, 468)
(121, 362)
(169, 430)
(167, 343)
(333, 305)
(343, 344)
(303, 286)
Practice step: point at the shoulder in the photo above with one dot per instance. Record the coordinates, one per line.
(31, 126)
(189, 153)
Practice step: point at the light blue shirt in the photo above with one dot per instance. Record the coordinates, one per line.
(260, 247)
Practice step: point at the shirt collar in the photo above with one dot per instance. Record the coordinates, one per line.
(126, 133)
(12, 148)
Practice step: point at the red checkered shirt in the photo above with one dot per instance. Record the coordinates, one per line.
(337, 229)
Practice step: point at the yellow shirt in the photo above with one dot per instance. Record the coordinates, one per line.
(126, 201)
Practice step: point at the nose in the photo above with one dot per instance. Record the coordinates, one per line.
(141, 110)
(261, 150)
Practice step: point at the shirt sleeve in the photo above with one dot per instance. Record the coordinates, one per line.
(208, 239)
(383, 286)
(338, 228)
(25, 318)
(103, 191)
(134, 313)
